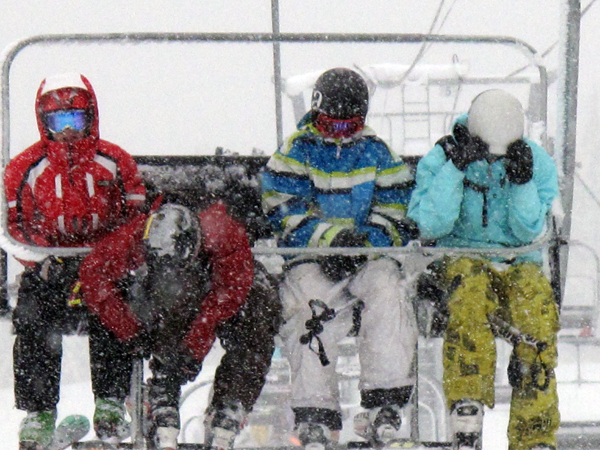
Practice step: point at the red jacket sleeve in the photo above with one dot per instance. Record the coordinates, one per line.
(135, 191)
(226, 243)
(100, 272)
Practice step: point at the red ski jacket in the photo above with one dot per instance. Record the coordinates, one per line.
(70, 195)
(224, 242)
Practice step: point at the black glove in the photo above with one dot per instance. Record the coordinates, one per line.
(140, 345)
(408, 229)
(349, 238)
(181, 362)
(519, 162)
(469, 149)
(189, 366)
(433, 300)
(338, 267)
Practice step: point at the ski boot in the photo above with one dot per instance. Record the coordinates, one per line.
(466, 418)
(164, 427)
(163, 413)
(165, 438)
(223, 425)
(37, 430)
(109, 420)
(314, 436)
(379, 425)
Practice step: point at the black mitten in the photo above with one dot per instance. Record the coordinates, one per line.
(408, 229)
(179, 362)
(338, 267)
(349, 238)
(189, 366)
(469, 149)
(140, 345)
(519, 162)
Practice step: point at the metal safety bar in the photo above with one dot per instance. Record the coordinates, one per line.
(413, 247)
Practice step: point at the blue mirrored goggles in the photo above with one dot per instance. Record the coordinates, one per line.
(58, 121)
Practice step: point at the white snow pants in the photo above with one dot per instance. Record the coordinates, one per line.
(386, 341)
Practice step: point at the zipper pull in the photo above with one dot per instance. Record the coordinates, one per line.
(338, 152)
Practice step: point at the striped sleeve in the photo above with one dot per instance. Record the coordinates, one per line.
(287, 194)
(394, 184)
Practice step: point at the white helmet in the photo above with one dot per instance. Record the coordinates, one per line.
(496, 117)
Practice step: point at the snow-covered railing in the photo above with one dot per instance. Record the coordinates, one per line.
(32, 253)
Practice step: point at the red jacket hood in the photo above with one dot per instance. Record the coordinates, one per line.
(83, 149)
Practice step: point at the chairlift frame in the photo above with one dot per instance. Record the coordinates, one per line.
(9, 244)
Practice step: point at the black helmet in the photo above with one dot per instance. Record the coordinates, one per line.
(341, 94)
(172, 232)
(176, 272)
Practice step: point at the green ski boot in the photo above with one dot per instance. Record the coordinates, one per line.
(37, 430)
(110, 423)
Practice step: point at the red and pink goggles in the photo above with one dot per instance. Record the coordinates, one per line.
(338, 128)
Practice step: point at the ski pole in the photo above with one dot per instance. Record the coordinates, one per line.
(513, 335)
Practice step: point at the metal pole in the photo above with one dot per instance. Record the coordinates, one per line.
(415, 432)
(277, 71)
(567, 127)
(137, 402)
(4, 299)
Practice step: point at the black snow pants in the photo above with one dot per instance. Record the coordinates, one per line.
(248, 339)
(42, 315)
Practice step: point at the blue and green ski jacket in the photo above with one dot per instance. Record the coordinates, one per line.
(314, 187)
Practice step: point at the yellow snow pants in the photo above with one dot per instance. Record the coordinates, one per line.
(522, 296)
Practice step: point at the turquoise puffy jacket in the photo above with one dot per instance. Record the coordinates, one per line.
(480, 208)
